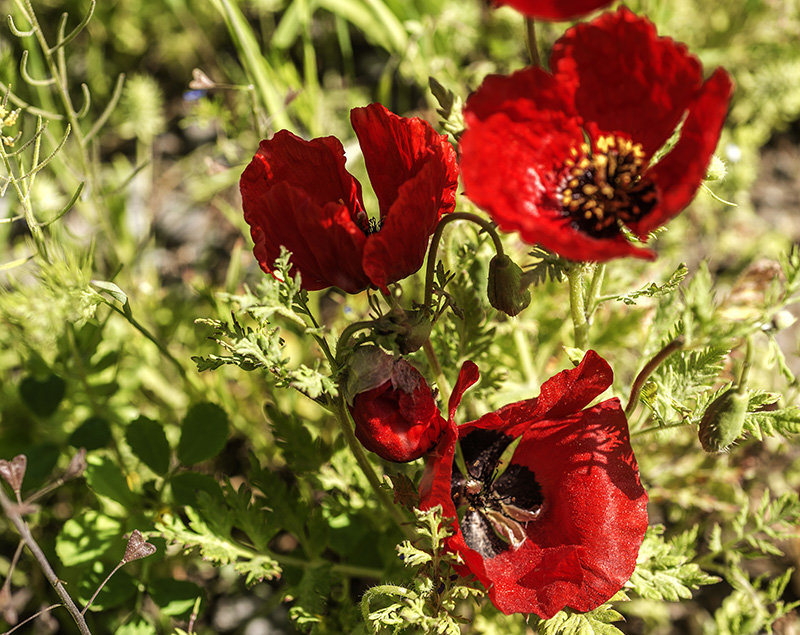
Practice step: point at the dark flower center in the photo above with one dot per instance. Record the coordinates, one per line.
(366, 224)
(606, 187)
(498, 506)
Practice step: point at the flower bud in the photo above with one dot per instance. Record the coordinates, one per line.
(505, 289)
(398, 419)
(407, 329)
(723, 420)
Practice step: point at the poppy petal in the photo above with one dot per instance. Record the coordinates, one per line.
(628, 78)
(396, 149)
(555, 9)
(680, 172)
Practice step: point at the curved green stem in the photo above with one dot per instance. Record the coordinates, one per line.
(486, 225)
(343, 417)
(533, 47)
(348, 332)
(648, 369)
(441, 380)
(577, 305)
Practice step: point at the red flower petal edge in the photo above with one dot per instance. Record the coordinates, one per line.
(561, 526)
(298, 194)
(525, 160)
(555, 9)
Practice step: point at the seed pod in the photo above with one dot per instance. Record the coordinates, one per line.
(505, 288)
(723, 420)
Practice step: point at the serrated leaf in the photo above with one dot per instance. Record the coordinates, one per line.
(86, 538)
(106, 479)
(92, 434)
(411, 556)
(597, 622)
(42, 396)
(664, 571)
(653, 290)
(785, 421)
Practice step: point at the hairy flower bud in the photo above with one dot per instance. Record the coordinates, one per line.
(506, 290)
(723, 420)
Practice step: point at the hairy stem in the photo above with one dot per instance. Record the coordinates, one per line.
(486, 225)
(366, 467)
(441, 380)
(648, 369)
(533, 47)
(577, 305)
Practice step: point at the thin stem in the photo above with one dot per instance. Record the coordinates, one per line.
(577, 305)
(349, 570)
(525, 359)
(533, 48)
(32, 617)
(13, 565)
(436, 367)
(652, 429)
(746, 364)
(348, 332)
(486, 225)
(102, 584)
(648, 369)
(13, 514)
(595, 286)
(366, 467)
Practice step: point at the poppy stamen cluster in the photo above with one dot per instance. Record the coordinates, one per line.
(498, 506)
(606, 185)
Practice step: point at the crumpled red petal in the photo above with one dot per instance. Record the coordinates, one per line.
(555, 9)
(583, 546)
(681, 171)
(396, 149)
(628, 78)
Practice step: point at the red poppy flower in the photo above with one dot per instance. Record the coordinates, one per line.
(555, 9)
(566, 159)
(561, 526)
(298, 194)
(398, 420)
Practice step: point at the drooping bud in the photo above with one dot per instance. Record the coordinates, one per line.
(13, 471)
(506, 289)
(723, 421)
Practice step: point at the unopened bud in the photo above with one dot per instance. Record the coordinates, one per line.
(716, 170)
(416, 332)
(137, 547)
(13, 471)
(723, 421)
(506, 290)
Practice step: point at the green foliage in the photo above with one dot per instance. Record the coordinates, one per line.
(429, 603)
(600, 621)
(664, 568)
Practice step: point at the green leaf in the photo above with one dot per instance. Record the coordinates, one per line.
(174, 597)
(204, 433)
(106, 479)
(597, 622)
(42, 396)
(187, 486)
(147, 440)
(92, 434)
(663, 569)
(87, 537)
(138, 627)
(653, 290)
(785, 421)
